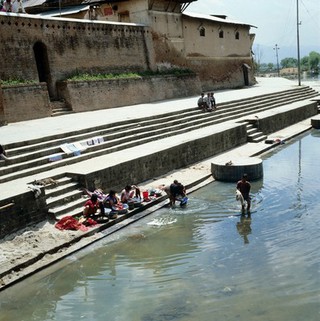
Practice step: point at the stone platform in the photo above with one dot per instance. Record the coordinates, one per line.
(227, 170)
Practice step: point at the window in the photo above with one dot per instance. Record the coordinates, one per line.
(220, 33)
(237, 35)
(202, 32)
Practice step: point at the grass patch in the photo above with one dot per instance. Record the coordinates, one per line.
(92, 77)
(14, 82)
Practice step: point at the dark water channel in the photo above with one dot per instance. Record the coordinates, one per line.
(204, 262)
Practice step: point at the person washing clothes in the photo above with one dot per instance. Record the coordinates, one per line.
(244, 187)
(129, 192)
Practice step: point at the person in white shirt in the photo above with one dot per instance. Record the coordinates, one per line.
(129, 192)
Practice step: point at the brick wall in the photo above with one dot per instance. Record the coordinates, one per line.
(66, 46)
(123, 92)
(24, 102)
(166, 159)
(20, 211)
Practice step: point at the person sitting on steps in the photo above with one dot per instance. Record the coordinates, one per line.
(129, 192)
(91, 206)
(202, 102)
(3, 154)
(213, 101)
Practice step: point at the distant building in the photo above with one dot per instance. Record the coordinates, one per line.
(288, 71)
(218, 49)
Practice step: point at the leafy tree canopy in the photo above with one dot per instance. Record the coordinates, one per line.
(289, 62)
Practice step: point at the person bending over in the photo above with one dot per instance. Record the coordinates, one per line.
(244, 187)
(91, 206)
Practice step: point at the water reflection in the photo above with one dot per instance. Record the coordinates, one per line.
(201, 262)
(244, 227)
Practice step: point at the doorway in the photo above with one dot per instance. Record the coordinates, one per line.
(246, 69)
(41, 56)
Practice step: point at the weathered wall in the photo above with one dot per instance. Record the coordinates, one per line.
(219, 62)
(70, 46)
(211, 45)
(270, 122)
(168, 24)
(122, 92)
(213, 72)
(20, 211)
(222, 73)
(24, 102)
(2, 118)
(165, 160)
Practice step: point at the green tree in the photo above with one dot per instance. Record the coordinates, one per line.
(289, 62)
(304, 63)
(314, 61)
(270, 66)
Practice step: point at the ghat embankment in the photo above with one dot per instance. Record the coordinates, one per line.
(149, 146)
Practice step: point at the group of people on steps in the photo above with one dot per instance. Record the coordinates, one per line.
(99, 202)
(208, 102)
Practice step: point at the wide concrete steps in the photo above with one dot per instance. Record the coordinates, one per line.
(64, 197)
(34, 156)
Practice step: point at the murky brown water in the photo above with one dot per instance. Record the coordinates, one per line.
(204, 262)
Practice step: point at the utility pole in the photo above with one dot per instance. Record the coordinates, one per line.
(276, 48)
(298, 44)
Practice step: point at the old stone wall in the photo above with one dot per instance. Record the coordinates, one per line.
(122, 92)
(20, 211)
(2, 118)
(222, 73)
(24, 102)
(270, 122)
(214, 72)
(151, 165)
(51, 49)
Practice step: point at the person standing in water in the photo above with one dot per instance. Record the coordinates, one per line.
(244, 187)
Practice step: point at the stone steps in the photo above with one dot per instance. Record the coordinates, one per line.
(67, 198)
(34, 156)
(254, 135)
(38, 154)
(59, 107)
(64, 198)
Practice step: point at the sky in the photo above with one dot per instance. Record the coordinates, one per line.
(276, 22)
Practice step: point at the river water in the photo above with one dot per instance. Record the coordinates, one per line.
(204, 262)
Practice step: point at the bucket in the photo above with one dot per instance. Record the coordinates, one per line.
(145, 194)
(131, 205)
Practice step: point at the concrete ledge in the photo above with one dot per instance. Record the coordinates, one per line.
(277, 118)
(315, 122)
(231, 171)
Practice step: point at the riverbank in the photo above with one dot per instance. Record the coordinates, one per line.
(41, 240)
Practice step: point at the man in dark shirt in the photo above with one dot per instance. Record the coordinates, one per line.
(244, 187)
(177, 190)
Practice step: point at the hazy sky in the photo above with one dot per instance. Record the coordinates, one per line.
(276, 22)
